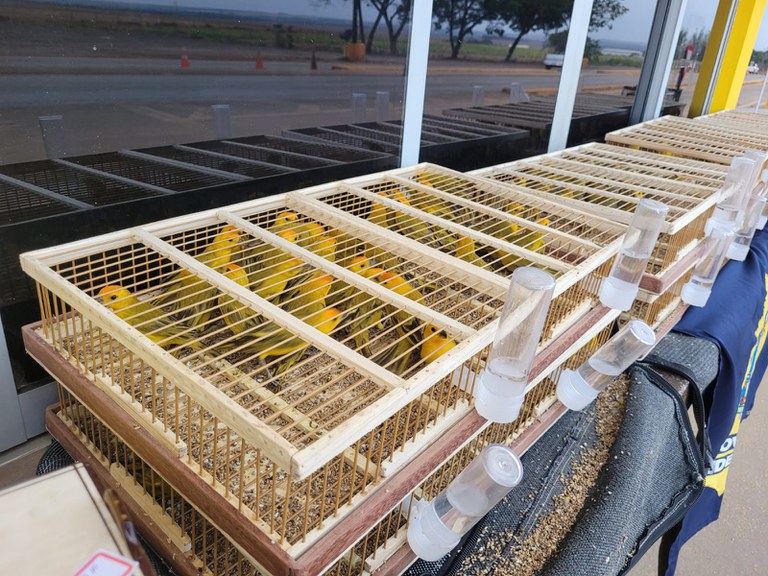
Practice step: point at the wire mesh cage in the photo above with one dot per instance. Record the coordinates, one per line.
(152, 171)
(743, 120)
(686, 138)
(609, 181)
(177, 521)
(216, 161)
(134, 467)
(318, 150)
(60, 177)
(295, 354)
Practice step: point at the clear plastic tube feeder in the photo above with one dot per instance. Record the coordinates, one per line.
(739, 248)
(620, 287)
(436, 527)
(736, 189)
(714, 249)
(576, 389)
(500, 391)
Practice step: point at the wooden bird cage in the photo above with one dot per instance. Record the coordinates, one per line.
(292, 450)
(126, 458)
(686, 138)
(751, 122)
(173, 526)
(609, 181)
(654, 309)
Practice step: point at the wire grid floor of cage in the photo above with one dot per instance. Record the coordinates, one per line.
(686, 138)
(609, 181)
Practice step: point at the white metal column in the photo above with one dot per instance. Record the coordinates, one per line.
(11, 421)
(569, 77)
(415, 81)
(654, 76)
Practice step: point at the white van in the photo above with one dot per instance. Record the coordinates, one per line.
(553, 61)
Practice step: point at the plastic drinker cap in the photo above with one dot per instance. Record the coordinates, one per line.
(738, 252)
(428, 537)
(695, 295)
(574, 392)
(617, 294)
(496, 407)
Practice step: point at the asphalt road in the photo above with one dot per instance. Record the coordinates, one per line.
(109, 103)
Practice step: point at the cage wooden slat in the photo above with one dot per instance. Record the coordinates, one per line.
(505, 216)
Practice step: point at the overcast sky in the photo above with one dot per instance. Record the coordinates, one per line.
(634, 26)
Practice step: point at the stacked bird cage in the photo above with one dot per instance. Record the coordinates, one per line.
(752, 122)
(686, 138)
(609, 181)
(293, 355)
(194, 544)
(175, 528)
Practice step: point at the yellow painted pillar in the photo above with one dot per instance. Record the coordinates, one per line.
(737, 51)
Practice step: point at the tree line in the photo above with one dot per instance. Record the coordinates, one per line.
(459, 19)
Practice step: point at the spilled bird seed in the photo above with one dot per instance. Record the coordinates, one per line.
(504, 553)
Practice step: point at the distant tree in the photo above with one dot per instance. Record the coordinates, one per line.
(358, 32)
(760, 57)
(526, 16)
(396, 14)
(459, 18)
(557, 41)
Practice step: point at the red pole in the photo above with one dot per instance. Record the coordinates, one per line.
(184, 58)
(259, 61)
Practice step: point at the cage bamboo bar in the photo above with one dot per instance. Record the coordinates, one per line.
(686, 138)
(610, 180)
(77, 391)
(272, 439)
(174, 527)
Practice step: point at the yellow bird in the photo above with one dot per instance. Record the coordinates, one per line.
(281, 274)
(283, 221)
(341, 293)
(260, 260)
(400, 285)
(435, 343)
(465, 249)
(365, 312)
(398, 357)
(378, 214)
(238, 317)
(309, 232)
(191, 295)
(292, 348)
(308, 298)
(532, 240)
(146, 318)
(325, 246)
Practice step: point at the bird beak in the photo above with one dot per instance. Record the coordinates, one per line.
(443, 333)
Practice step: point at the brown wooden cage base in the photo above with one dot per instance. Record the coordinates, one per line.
(350, 528)
(150, 531)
